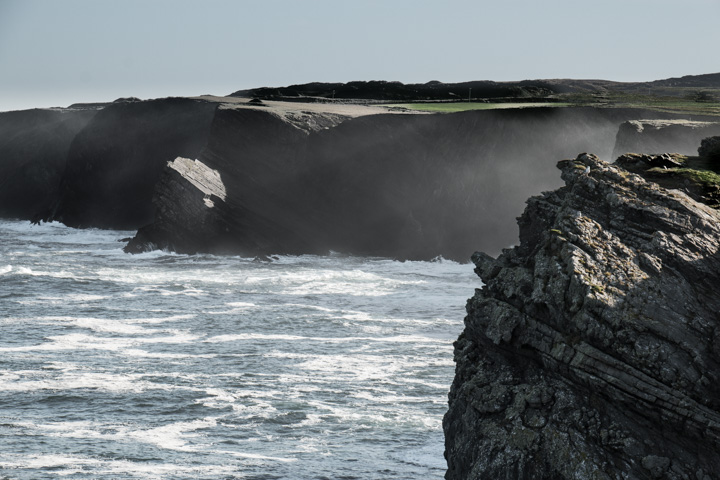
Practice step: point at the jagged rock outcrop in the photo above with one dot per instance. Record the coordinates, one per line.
(693, 175)
(593, 349)
(33, 147)
(663, 135)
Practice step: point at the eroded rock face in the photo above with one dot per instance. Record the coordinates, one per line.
(663, 135)
(593, 350)
(193, 196)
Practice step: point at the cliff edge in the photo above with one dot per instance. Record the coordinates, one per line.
(593, 350)
(310, 178)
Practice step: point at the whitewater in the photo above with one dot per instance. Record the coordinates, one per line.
(166, 366)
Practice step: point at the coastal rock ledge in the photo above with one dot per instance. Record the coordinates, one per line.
(593, 350)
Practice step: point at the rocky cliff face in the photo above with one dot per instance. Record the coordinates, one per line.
(299, 178)
(665, 135)
(33, 147)
(253, 157)
(592, 351)
(406, 186)
(113, 164)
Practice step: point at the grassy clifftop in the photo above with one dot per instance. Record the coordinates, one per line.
(698, 176)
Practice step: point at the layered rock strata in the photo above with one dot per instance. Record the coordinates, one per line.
(593, 349)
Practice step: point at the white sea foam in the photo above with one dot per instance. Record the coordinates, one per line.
(110, 326)
(66, 465)
(218, 366)
(41, 273)
(136, 352)
(79, 380)
(415, 339)
(255, 456)
(80, 341)
(174, 436)
(170, 318)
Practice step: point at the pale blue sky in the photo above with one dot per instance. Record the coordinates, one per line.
(57, 52)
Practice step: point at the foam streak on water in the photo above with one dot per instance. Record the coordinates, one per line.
(164, 366)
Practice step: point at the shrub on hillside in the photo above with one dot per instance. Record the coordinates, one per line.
(710, 147)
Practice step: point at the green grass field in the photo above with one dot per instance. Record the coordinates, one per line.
(450, 107)
(671, 103)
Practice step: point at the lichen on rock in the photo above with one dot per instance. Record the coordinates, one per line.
(593, 349)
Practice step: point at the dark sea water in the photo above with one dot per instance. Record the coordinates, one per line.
(163, 366)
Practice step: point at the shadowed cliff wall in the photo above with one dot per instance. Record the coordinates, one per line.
(407, 186)
(116, 160)
(297, 181)
(33, 147)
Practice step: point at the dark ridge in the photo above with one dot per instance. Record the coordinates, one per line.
(708, 80)
(397, 91)
(435, 90)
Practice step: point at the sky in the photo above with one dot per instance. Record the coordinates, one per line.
(59, 52)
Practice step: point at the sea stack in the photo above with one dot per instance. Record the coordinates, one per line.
(593, 349)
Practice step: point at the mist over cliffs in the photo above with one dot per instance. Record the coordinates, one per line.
(295, 178)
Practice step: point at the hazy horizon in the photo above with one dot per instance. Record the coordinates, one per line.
(78, 51)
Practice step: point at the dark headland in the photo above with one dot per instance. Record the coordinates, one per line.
(320, 167)
(592, 351)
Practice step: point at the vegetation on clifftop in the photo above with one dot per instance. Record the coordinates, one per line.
(698, 176)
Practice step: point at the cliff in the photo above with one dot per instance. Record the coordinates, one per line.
(404, 186)
(254, 157)
(298, 177)
(115, 161)
(591, 352)
(666, 135)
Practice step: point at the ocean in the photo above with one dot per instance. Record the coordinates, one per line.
(166, 366)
